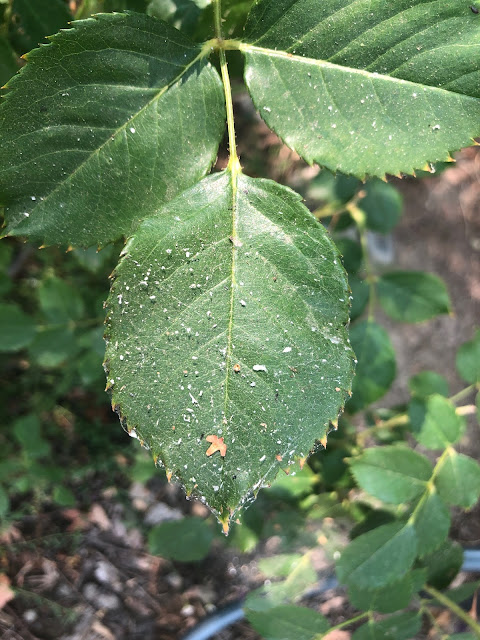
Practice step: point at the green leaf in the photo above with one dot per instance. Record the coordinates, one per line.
(401, 626)
(4, 502)
(391, 598)
(431, 520)
(8, 61)
(60, 302)
(382, 206)
(443, 564)
(351, 254)
(360, 295)
(336, 189)
(54, 346)
(287, 622)
(379, 557)
(376, 366)
(468, 359)
(428, 383)
(229, 326)
(27, 432)
(125, 114)
(185, 540)
(32, 20)
(382, 101)
(183, 14)
(63, 496)
(439, 425)
(393, 474)
(458, 480)
(412, 296)
(17, 330)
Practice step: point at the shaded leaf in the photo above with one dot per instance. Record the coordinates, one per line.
(17, 330)
(391, 598)
(443, 564)
(8, 61)
(280, 565)
(351, 254)
(431, 520)
(393, 474)
(53, 346)
(401, 626)
(468, 359)
(217, 327)
(32, 20)
(412, 296)
(126, 113)
(436, 423)
(185, 540)
(382, 206)
(287, 622)
(360, 295)
(428, 383)
(27, 432)
(59, 302)
(458, 480)
(376, 366)
(379, 557)
(380, 102)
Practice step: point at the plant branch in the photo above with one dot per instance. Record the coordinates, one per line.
(345, 624)
(233, 162)
(359, 219)
(454, 608)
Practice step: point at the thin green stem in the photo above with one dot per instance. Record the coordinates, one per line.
(359, 219)
(233, 163)
(454, 608)
(346, 623)
(463, 393)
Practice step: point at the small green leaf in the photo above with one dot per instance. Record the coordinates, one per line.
(27, 432)
(394, 474)
(126, 113)
(401, 626)
(391, 598)
(431, 520)
(439, 425)
(360, 294)
(32, 20)
(287, 622)
(218, 324)
(382, 206)
(443, 564)
(59, 301)
(4, 502)
(428, 383)
(185, 540)
(412, 296)
(458, 480)
(336, 189)
(376, 366)
(380, 102)
(301, 578)
(17, 330)
(52, 347)
(379, 557)
(63, 496)
(468, 359)
(351, 252)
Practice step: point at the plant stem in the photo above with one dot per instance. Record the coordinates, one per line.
(346, 623)
(359, 219)
(454, 608)
(233, 162)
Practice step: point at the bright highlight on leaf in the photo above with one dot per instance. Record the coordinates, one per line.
(234, 271)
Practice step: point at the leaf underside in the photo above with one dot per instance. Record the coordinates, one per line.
(123, 114)
(366, 87)
(227, 317)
